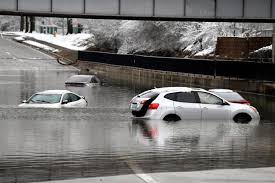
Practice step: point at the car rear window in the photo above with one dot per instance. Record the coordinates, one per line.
(187, 97)
(231, 96)
(149, 94)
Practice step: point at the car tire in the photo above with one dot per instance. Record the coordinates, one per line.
(242, 118)
(171, 118)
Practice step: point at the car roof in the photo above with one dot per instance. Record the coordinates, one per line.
(54, 92)
(183, 89)
(82, 76)
(221, 90)
(80, 79)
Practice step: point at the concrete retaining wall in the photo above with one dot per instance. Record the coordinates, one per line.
(146, 78)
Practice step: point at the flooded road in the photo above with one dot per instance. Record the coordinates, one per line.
(103, 139)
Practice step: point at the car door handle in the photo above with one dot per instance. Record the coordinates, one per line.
(179, 107)
(205, 108)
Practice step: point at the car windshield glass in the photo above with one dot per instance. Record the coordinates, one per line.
(230, 96)
(79, 79)
(45, 98)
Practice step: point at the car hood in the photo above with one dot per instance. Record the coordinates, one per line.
(237, 106)
(26, 105)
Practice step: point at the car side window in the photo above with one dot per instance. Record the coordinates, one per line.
(171, 96)
(74, 97)
(94, 80)
(66, 97)
(187, 97)
(207, 98)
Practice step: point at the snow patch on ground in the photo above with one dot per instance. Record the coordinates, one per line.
(71, 41)
(19, 39)
(264, 48)
(205, 52)
(39, 45)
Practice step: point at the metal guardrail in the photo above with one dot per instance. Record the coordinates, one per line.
(226, 68)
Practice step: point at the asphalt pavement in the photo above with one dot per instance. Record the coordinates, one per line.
(15, 56)
(259, 175)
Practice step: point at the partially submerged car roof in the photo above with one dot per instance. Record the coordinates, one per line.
(168, 89)
(80, 79)
(54, 92)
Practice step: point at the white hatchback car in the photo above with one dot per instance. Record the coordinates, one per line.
(54, 99)
(179, 103)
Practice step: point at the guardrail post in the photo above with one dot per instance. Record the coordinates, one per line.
(22, 23)
(273, 44)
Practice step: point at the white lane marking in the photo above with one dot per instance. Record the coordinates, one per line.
(11, 75)
(11, 83)
(139, 172)
(9, 68)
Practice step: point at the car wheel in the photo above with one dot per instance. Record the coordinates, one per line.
(242, 118)
(171, 117)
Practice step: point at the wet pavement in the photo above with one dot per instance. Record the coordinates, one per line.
(263, 175)
(103, 139)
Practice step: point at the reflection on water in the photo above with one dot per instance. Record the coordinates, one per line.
(53, 144)
(74, 143)
(265, 105)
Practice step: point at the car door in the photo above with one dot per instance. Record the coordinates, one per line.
(76, 101)
(71, 100)
(186, 106)
(213, 107)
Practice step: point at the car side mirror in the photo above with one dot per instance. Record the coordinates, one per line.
(24, 101)
(82, 97)
(65, 102)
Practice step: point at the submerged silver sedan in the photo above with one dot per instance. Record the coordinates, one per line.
(54, 99)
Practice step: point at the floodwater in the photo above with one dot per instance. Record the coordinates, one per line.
(103, 139)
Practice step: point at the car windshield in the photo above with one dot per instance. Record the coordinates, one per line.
(45, 98)
(79, 79)
(230, 96)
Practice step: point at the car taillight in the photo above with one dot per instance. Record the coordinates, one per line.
(244, 102)
(153, 106)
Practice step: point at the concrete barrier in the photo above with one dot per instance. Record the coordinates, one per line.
(147, 78)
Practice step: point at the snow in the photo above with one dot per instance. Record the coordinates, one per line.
(39, 45)
(19, 39)
(205, 52)
(264, 48)
(185, 39)
(72, 41)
